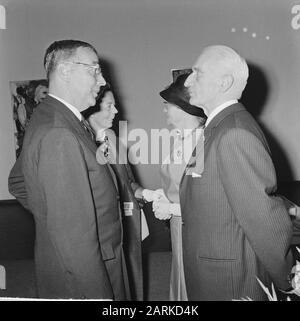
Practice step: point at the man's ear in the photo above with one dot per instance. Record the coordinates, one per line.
(64, 71)
(227, 83)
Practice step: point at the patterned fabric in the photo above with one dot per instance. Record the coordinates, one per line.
(104, 146)
(88, 128)
(234, 228)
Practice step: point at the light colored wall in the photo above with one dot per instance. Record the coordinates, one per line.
(141, 41)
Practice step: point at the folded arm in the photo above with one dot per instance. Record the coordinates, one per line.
(16, 183)
(249, 181)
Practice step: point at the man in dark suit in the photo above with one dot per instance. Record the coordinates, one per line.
(234, 228)
(74, 200)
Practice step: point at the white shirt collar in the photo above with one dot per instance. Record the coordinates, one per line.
(219, 109)
(73, 109)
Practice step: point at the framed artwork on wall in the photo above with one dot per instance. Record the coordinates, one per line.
(25, 96)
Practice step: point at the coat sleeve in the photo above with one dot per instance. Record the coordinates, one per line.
(71, 216)
(122, 156)
(134, 185)
(16, 183)
(249, 180)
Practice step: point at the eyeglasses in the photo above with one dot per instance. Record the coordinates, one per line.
(94, 70)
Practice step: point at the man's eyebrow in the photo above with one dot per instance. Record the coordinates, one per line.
(95, 62)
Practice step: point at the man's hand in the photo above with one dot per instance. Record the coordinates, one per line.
(159, 195)
(153, 196)
(148, 195)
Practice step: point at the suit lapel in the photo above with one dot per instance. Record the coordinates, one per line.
(114, 159)
(71, 120)
(198, 166)
(194, 165)
(113, 175)
(75, 124)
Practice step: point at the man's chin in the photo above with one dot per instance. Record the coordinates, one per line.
(194, 102)
(92, 102)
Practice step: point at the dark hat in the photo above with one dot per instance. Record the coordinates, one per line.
(178, 94)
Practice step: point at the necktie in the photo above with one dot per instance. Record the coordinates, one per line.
(88, 128)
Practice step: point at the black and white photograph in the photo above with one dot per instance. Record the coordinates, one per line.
(149, 153)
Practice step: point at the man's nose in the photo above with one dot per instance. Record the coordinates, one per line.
(187, 82)
(114, 110)
(100, 80)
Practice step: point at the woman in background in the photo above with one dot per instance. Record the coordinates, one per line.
(188, 121)
(132, 195)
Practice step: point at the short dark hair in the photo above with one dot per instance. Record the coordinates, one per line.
(61, 50)
(33, 85)
(96, 108)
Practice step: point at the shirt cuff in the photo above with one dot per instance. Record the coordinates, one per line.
(175, 209)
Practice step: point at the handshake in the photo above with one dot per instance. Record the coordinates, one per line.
(163, 209)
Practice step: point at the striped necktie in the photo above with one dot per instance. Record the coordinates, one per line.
(88, 128)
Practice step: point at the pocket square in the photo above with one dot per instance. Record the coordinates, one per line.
(196, 174)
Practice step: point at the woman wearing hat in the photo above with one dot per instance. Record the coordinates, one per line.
(188, 121)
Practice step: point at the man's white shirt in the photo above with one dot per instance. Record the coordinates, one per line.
(216, 111)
